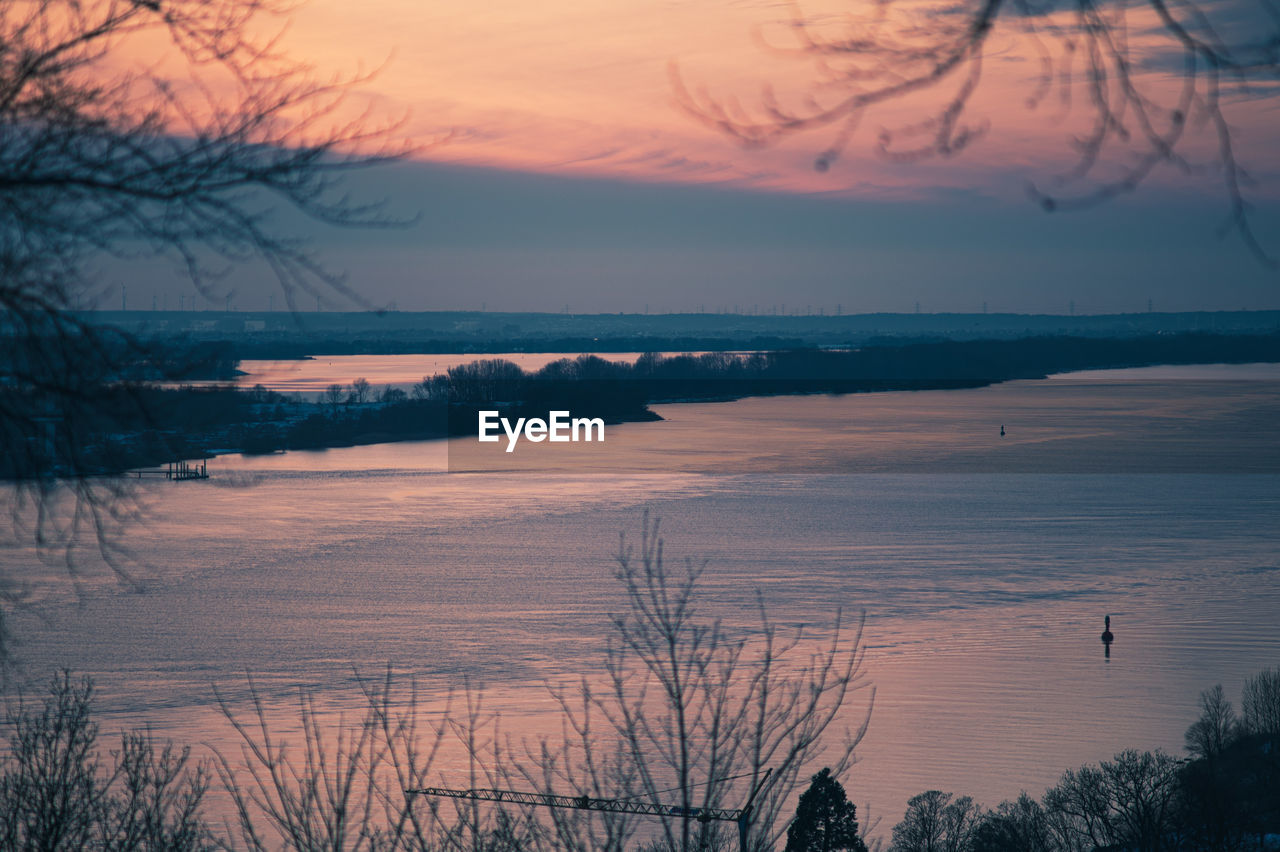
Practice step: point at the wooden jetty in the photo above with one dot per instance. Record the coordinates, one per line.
(177, 471)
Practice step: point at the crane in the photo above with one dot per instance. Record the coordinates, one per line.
(741, 816)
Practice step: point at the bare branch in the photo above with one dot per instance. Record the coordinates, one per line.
(891, 50)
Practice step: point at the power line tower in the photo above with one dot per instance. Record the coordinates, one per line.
(740, 816)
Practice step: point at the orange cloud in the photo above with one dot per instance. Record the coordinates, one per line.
(582, 87)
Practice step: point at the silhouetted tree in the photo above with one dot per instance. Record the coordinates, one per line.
(428, 389)
(1129, 801)
(1216, 727)
(684, 705)
(486, 381)
(360, 391)
(1150, 102)
(166, 130)
(393, 396)
(1214, 801)
(1018, 826)
(693, 713)
(825, 819)
(333, 395)
(934, 822)
(57, 793)
(1260, 703)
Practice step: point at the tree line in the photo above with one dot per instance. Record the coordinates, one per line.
(122, 420)
(58, 790)
(1225, 797)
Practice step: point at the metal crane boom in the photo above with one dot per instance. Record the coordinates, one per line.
(584, 803)
(622, 806)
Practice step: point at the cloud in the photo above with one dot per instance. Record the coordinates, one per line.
(524, 241)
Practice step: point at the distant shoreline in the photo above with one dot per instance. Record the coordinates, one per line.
(279, 335)
(155, 425)
(615, 391)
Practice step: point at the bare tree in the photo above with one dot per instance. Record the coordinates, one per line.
(935, 822)
(1129, 801)
(188, 159)
(319, 785)
(1216, 727)
(361, 391)
(333, 395)
(1079, 810)
(50, 787)
(1260, 703)
(424, 390)
(342, 785)
(100, 157)
(687, 712)
(57, 793)
(1019, 825)
(392, 396)
(1153, 76)
(695, 714)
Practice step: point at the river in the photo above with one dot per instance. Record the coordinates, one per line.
(984, 565)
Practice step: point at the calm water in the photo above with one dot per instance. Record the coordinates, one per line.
(984, 565)
(313, 375)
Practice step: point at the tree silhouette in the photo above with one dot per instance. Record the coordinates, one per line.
(58, 790)
(936, 822)
(1209, 735)
(361, 391)
(174, 131)
(1155, 78)
(696, 713)
(825, 820)
(1260, 703)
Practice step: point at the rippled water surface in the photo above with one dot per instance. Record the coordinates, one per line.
(984, 568)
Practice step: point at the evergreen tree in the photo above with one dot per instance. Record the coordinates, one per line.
(825, 819)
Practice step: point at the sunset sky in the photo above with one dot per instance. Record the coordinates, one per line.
(569, 175)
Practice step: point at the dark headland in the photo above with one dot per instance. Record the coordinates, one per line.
(139, 422)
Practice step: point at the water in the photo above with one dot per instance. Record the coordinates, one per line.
(984, 566)
(311, 376)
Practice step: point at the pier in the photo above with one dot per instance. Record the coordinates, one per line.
(176, 471)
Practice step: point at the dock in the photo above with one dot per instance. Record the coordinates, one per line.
(176, 471)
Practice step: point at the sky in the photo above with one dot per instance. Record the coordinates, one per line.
(558, 167)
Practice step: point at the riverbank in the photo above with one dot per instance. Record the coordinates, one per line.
(144, 425)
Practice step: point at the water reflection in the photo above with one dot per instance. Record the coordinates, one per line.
(311, 376)
(321, 564)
